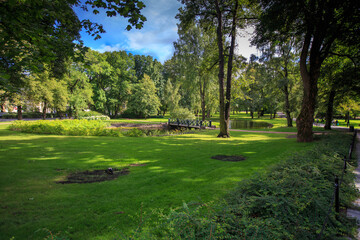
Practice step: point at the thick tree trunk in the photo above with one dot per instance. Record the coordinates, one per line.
(274, 114)
(252, 114)
(287, 106)
(19, 112)
(305, 119)
(229, 68)
(309, 78)
(44, 111)
(330, 110)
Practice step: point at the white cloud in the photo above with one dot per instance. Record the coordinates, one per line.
(243, 46)
(158, 45)
(107, 48)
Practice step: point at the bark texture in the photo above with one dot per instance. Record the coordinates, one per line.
(330, 110)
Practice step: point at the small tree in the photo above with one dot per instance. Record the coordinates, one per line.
(144, 101)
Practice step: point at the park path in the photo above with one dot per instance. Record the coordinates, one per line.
(352, 213)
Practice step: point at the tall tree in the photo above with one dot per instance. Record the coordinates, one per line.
(226, 16)
(144, 101)
(280, 58)
(195, 51)
(316, 24)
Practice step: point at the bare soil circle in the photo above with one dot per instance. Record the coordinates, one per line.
(234, 158)
(94, 176)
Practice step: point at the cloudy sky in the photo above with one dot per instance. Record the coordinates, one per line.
(155, 38)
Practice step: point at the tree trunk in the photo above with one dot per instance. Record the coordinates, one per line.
(246, 111)
(224, 131)
(274, 114)
(44, 111)
(202, 96)
(330, 109)
(2, 109)
(203, 110)
(309, 78)
(208, 113)
(229, 68)
(287, 107)
(252, 114)
(19, 112)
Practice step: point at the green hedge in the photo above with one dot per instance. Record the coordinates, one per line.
(290, 201)
(65, 127)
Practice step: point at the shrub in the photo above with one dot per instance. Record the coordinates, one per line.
(65, 127)
(134, 132)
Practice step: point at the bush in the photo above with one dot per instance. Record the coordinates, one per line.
(290, 201)
(182, 113)
(65, 127)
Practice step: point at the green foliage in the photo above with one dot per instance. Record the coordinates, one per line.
(181, 113)
(134, 132)
(290, 201)
(28, 115)
(144, 102)
(65, 127)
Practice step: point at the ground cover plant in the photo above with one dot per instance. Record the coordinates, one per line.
(84, 127)
(72, 127)
(289, 201)
(163, 172)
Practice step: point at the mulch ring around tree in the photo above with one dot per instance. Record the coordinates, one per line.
(95, 176)
(235, 158)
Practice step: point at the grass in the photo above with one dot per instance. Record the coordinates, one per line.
(355, 123)
(178, 168)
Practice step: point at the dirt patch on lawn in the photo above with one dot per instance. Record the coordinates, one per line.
(235, 158)
(95, 176)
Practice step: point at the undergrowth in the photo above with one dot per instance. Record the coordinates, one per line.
(65, 127)
(290, 201)
(84, 127)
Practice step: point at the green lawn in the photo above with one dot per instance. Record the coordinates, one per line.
(355, 123)
(178, 168)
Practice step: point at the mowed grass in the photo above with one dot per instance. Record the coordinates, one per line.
(178, 168)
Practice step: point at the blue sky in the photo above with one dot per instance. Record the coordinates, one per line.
(155, 38)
